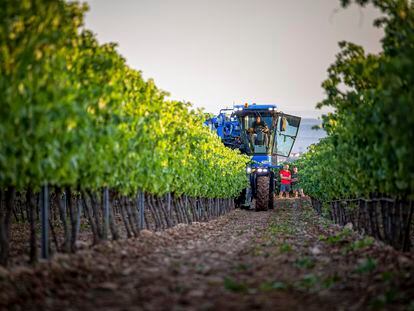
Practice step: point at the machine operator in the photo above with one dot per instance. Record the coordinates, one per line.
(259, 125)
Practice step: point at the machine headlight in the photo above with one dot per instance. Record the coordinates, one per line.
(264, 170)
(260, 170)
(249, 170)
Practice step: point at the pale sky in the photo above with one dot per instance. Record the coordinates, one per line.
(216, 52)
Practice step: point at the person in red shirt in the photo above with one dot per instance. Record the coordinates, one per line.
(285, 181)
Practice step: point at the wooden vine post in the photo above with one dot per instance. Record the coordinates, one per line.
(44, 208)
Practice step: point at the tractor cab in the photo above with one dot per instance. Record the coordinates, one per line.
(266, 132)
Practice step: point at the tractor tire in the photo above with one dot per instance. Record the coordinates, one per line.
(272, 191)
(262, 193)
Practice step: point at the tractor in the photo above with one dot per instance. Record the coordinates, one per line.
(264, 133)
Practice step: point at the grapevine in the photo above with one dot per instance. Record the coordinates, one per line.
(74, 114)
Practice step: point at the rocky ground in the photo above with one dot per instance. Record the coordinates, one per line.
(284, 259)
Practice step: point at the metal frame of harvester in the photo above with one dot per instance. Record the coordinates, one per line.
(234, 127)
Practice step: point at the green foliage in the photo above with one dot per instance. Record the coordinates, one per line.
(285, 247)
(330, 281)
(269, 286)
(387, 276)
(362, 243)
(74, 114)
(234, 286)
(366, 266)
(308, 282)
(284, 228)
(388, 297)
(337, 239)
(305, 263)
(369, 145)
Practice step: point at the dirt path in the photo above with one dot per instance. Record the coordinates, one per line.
(284, 259)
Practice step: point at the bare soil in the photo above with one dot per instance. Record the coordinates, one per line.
(283, 259)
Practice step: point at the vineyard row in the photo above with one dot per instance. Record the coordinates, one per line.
(61, 220)
(385, 219)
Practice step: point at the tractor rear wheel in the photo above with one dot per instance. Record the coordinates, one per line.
(262, 193)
